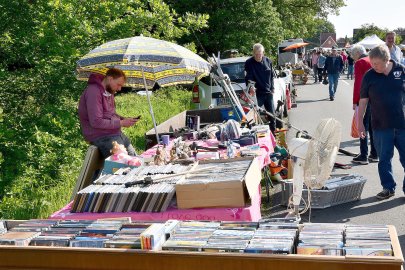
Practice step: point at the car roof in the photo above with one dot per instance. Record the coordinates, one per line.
(234, 60)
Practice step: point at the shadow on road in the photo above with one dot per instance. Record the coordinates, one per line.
(312, 100)
(351, 143)
(344, 212)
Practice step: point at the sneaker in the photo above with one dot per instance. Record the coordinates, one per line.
(373, 158)
(385, 194)
(331, 98)
(360, 160)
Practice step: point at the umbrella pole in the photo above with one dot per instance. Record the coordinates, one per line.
(150, 106)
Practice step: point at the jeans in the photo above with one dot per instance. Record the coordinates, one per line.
(104, 144)
(369, 131)
(315, 69)
(333, 83)
(320, 74)
(350, 71)
(267, 101)
(385, 140)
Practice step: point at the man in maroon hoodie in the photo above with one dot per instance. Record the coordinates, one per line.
(99, 122)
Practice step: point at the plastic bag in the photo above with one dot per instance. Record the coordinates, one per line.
(354, 131)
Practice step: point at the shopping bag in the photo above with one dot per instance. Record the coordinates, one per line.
(354, 131)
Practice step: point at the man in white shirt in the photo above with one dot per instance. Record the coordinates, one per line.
(395, 51)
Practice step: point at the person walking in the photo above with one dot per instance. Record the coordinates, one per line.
(362, 65)
(350, 66)
(321, 65)
(314, 61)
(333, 67)
(259, 69)
(395, 51)
(383, 87)
(99, 122)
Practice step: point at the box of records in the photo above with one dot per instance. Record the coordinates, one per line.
(220, 183)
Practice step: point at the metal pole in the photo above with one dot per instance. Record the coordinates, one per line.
(150, 106)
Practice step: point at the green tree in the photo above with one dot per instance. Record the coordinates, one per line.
(319, 25)
(40, 143)
(300, 18)
(235, 24)
(369, 29)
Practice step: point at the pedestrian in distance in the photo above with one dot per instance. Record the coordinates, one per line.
(314, 61)
(362, 65)
(395, 51)
(333, 67)
(100, 124)
(383, 87)
(259, 69)
(321, 65)
(350, 66)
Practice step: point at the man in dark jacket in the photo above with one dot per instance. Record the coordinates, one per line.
(260, 70)
(99, 122)
(333, 66)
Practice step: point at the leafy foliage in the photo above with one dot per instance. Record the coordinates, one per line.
(370, 29)
(41, 148)
(238, 24)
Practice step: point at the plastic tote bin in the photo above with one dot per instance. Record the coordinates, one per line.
(336, 191)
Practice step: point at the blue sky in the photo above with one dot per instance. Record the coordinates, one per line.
(384, 14)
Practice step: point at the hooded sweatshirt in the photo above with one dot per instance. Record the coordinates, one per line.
(97, 111)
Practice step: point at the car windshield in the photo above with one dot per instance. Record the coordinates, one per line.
(235, 71)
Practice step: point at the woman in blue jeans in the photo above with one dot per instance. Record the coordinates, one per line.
(383, 87)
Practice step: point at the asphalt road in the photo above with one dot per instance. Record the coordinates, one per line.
(313, 104)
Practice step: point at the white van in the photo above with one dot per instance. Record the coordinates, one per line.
(211, 95)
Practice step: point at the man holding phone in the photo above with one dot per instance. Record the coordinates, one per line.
(100, 123)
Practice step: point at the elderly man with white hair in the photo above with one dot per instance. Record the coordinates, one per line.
(361, 66)
(259, 69)
(383, 87)
(395, 51)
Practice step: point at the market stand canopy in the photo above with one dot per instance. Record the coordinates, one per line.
(369, 42)
(163, 62)
(295, 46)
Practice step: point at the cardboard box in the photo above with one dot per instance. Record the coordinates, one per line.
(232, 193)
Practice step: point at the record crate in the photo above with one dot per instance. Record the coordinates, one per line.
(336, 191)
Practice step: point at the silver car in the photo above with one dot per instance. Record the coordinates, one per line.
(211, 95)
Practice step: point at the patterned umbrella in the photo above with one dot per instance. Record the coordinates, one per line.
(162, 62)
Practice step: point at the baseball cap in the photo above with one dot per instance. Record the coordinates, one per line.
(333, 48)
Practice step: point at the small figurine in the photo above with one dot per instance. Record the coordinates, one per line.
(119, 154)
(160, 157)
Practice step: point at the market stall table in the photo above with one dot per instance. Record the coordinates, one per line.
(248, 213)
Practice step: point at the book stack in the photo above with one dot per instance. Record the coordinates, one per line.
(321, 239)
(153, 237)
(190, 236)
(368, 240)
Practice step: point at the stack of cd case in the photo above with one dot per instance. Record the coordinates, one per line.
(128, 237)
(368, 240)
(190, 236)
(321, 239)
(119, 198)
